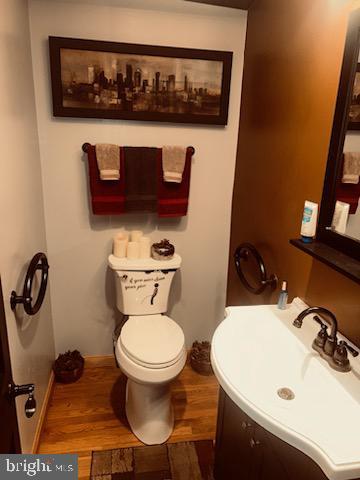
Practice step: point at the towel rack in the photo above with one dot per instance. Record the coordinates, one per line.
(86, 145)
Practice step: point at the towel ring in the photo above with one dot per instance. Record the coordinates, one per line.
(38, 262)
(242, 253)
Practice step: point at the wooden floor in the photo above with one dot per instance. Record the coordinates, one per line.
(89, 414)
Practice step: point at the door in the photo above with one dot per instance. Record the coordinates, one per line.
(9, 433)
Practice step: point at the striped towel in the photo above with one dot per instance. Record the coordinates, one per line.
(173, 198)
(107, 198)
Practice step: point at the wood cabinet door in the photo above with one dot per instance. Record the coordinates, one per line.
(246, 451)
(234, 456)
(267, 461)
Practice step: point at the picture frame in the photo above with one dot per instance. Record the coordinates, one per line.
(124, 81)
(354, 109)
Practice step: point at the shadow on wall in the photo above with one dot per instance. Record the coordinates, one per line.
(110, 297)
(27, 326)
(175, 291)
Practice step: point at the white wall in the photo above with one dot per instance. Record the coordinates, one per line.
(21, 209)
(82, 292)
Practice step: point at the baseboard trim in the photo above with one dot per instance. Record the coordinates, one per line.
(98, 357)
(43, 412)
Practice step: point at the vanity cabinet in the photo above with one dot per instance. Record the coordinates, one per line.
(246, 451)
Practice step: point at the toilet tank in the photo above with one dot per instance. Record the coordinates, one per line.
(143, 285)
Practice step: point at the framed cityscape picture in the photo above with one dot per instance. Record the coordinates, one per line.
(96, 79)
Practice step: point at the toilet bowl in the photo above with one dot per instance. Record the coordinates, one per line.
(151, 347)
(151, 352)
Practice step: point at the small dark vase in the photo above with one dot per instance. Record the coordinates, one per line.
(68, 367)
(200, 358)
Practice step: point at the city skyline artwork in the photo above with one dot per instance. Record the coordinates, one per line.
(136, 85)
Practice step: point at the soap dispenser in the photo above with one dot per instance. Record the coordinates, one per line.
(283, 297)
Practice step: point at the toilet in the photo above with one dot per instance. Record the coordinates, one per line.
(151, 347)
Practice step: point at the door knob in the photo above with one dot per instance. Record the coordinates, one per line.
(27, 389)
(30, 406)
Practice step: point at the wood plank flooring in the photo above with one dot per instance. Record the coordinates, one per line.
(172, 461)
(89, 414)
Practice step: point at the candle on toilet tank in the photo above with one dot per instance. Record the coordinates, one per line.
(133, 250)
(136, 235)
(122, 235)
(145, 247)
(120, 247)
(120, 244)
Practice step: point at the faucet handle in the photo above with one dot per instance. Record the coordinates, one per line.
(339, 361)
(350, 349)
(321, 337)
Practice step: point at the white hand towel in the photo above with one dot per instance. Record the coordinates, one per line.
(351, 169)
(108, 161)
(173, 163)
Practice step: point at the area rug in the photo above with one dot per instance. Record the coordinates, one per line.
(173, 461)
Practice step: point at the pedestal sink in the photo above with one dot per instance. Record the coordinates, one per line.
(268, 368)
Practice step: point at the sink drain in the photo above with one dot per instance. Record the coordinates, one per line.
(286, 393)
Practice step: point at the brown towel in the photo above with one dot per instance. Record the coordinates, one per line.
(108, 160)
(173, 198)
(141, 179)
(107, 198)
(173, 163)
(351, 169)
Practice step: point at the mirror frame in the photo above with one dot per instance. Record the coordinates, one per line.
(347, 245)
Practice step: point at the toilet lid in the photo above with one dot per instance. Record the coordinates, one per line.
(154, 341)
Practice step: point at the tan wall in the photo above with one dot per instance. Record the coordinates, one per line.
(292, 64)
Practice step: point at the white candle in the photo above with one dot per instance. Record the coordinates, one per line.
(136, 235)
(144, 247)
(120, 247)
(120, 244)
(133, 250)
(122, 235)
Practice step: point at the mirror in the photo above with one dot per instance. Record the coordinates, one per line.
(339, 223)
(346, 213)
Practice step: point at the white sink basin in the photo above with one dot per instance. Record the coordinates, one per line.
(256, 351)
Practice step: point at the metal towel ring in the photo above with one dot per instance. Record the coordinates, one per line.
(38, 262)
(242, 253)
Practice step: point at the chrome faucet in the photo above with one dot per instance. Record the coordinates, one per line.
(327, 344)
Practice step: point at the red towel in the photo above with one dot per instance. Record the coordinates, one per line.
(107, 197)
(173, 198)
(348, 192)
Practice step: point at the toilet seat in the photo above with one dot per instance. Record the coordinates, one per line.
(152, 341)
